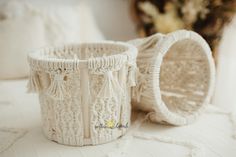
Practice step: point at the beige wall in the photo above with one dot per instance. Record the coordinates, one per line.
(113, 18)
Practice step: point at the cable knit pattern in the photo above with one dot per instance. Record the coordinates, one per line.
(84, 91)
(176, 76)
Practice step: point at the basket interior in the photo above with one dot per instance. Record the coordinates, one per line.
(184, 77)
(84, 51)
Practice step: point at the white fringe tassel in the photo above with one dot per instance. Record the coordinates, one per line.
(33, 85)
(132, 75)
(57, 87)
(110, 88)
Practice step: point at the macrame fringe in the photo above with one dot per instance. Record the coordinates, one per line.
(34, 85)
(138, 90)
(132, 75)
(111, 88)
(57, 87)
(146, 43)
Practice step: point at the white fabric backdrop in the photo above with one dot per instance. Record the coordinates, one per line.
(225, 92)
(112, 16)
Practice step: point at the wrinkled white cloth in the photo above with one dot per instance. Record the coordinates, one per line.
(9, 136)
(20, 110)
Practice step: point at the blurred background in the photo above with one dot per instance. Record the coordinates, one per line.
(29, 24)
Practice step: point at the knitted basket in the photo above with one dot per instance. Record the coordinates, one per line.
(176, 76)
(84, 90)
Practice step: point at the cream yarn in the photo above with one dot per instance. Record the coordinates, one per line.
(176, 76)
(84, 90)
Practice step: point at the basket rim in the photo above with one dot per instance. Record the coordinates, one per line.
(34, 56)
(163, 47)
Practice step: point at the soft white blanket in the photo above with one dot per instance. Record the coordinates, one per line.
(21, 135)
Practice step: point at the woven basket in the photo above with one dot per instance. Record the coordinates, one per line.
(176, 76)
(84, 91)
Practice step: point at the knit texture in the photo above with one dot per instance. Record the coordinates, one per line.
(176, 76)
(84, 91)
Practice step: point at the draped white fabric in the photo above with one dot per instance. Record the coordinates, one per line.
(20, 110)
(225, 91)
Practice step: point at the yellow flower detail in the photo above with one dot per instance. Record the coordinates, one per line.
(110, 123)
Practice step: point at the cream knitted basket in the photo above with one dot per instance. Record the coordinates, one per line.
(84, 91)
(176, 76)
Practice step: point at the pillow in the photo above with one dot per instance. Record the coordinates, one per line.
(65, 24)
(24, 27)
(20, 31)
